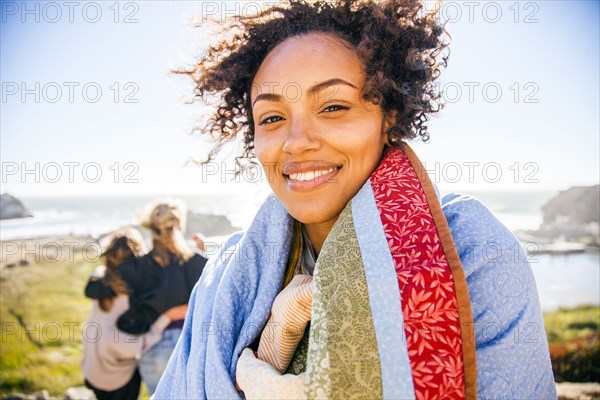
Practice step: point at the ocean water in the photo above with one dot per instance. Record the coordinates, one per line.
(567, 280)
(95, 215)
(562, 280)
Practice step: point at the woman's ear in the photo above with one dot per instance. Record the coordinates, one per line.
(389, 120)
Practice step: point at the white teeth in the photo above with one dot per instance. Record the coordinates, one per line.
(311, 175)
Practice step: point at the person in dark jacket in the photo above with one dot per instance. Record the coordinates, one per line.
(160, 281)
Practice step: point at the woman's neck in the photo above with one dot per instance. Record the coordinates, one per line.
(317, 233)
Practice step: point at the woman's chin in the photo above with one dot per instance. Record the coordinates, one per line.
(314, 213)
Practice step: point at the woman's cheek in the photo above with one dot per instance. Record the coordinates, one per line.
(266, 156)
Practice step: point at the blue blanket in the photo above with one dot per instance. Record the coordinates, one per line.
(231, 304)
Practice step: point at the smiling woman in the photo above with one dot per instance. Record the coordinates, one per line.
(355, 279)
(321, 148)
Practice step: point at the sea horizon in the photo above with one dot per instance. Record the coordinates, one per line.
(96, 215)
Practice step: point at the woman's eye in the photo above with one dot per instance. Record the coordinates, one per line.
(334, 107)
(271, 119)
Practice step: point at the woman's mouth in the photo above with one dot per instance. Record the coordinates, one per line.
(309, 176)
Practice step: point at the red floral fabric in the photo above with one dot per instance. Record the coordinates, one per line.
(429, 307)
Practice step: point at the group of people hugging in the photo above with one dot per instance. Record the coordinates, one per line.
(140, 301)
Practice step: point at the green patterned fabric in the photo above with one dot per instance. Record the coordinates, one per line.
(343, 358)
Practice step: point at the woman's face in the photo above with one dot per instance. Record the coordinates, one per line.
(315, 136)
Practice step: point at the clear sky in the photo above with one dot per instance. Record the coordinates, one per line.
(89, 106)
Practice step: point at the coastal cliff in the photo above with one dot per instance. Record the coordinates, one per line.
(571, 222)
(577, 205)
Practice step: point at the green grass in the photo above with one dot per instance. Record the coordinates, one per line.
(43, 312)
(574, 340)
(566, 325)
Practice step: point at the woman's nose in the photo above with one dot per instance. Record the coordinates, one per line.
(301, 136)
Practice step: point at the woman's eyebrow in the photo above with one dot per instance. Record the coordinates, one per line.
(268, 97)
(317, 87)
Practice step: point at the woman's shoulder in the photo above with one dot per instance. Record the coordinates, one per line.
(231, 242)
(219, 256)
(130, 264)
(147, 271)
(477, 233)
(195, 264)
(488, 250)
(147, 263)
(234, 238)
(468, 215)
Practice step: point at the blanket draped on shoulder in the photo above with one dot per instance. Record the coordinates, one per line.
(391, 313)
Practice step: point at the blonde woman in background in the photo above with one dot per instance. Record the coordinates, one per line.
(170, 271)
(109, 357)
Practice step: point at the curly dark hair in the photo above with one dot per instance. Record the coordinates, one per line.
(402, 47)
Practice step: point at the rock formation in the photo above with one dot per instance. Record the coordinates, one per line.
(208, 225)
(11, 207)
